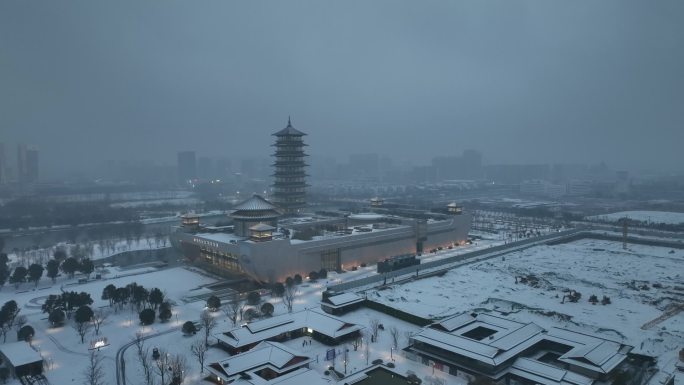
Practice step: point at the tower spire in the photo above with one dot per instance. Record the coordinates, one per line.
(289, 123)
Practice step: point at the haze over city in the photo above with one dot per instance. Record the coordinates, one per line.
(521, 82)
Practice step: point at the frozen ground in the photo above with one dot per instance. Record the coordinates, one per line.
(666, 217)
(587, 266)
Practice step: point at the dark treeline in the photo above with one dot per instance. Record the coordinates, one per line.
(24, 213)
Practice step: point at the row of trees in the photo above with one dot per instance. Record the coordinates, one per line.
(35, 271)
(148, 315)
(137, 296)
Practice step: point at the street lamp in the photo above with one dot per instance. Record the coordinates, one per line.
(392, 353)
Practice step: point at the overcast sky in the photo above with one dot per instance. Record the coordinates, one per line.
(538, 81)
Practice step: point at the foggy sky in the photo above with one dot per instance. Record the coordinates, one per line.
(538, 81)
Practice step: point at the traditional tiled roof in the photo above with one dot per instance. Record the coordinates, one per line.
(262, 227)
(289, 130)
(257, 331)
(256, 202)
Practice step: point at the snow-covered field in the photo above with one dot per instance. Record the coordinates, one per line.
(666, 217)
(587, 266)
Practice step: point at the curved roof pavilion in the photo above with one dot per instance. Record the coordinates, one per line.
(255, 208)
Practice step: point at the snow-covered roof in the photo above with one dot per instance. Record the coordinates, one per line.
(20, 353)
(590, 351)
(272, 354)
(256, 202)
(344, 299)
(296, 377)
(366, 216)
(501, 339)
(220, 237)
(251, 333)
(546, 374)
(262, 227)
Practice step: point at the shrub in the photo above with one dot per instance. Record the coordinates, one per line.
(267, 309)
(147, 316)
(57, 317)
(250, 314)
(278, 289)
(313, 275)
(297, 279)
(26, 333)
(213, 303)
(165, 312)
(189, 328)
(323, 274)
(253, 298)
(376, 362)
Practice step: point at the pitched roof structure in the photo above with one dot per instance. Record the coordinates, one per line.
(20, 353)
(265, 329)
(495, 341)
(256, 202)
(273, 355)
(289, 130)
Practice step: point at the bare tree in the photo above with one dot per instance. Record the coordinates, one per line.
(94, 374)
(408, 335)
(82, 328)
(20, 322)
(357, 342)
(289, 296)
(198, 349)
(374, 327)
(208, 323)
(178, 366)
(144, 358)
(162, 365)
(394, 332)
(99, 317)
(233, 310)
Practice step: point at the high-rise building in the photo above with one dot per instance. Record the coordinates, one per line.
(289, 187)
(205, 168)
(3, 164)
(187, 169)
(27, 164)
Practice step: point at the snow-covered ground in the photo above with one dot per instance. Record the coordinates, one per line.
(61, 347)
(587, 266)
(666, 217)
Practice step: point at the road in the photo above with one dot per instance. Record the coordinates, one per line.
(120, 355)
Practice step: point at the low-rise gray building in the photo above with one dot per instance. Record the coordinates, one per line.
(268, 250)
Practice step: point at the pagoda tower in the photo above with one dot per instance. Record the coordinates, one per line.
(289, 187)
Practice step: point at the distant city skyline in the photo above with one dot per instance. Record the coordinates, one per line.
(524, 82)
